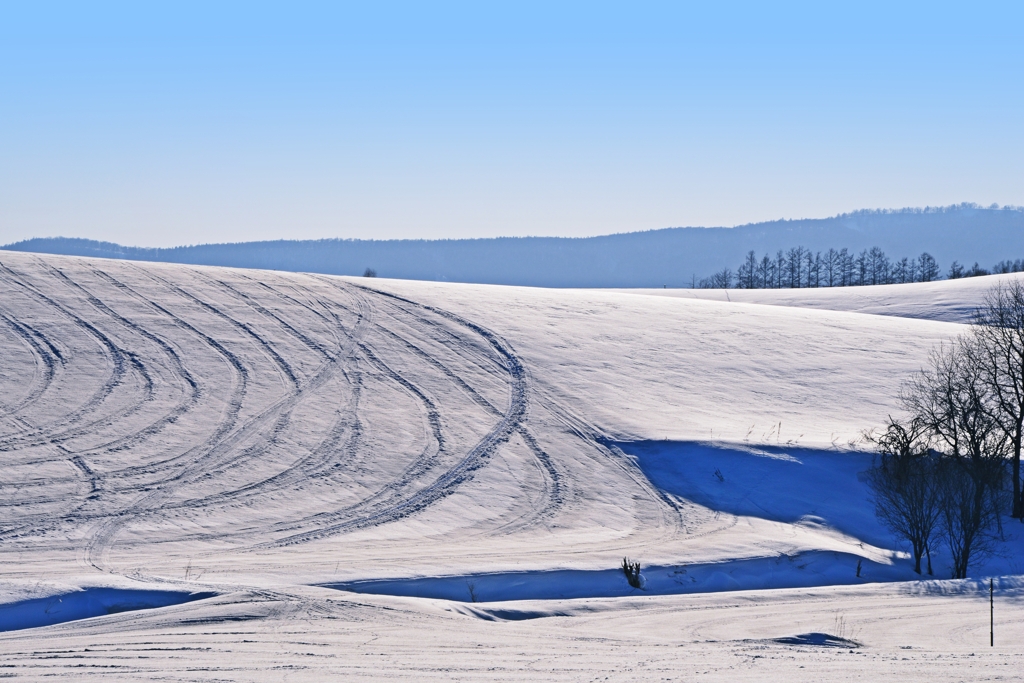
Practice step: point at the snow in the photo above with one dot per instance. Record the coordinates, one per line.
(780, 484)
(941, 300)
(283, 440)
(86, 603)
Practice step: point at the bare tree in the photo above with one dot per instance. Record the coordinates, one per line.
(812, 268)
(781, 266)
(906, 486)
(765, 272)
(999, 330)
(953, 401)
(860, 269)
(847, 267)
(795, 259)
(903, 271)
(720, 280)
(927, 268)
(876, 267)
(746, 274)
(1008, 266)
(830, 266)
(966, 521)
(975, 271)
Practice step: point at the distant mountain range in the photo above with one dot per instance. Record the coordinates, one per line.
(672, 257)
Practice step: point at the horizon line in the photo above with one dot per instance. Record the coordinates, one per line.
(962, 206)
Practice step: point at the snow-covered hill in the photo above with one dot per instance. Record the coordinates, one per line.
(281, 440)
(943, 300)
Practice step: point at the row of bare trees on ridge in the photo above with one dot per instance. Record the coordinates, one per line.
(800, 268)
(943, 470)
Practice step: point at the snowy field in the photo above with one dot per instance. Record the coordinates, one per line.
(213, 474)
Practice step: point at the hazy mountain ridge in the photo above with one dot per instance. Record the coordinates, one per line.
(669, 256)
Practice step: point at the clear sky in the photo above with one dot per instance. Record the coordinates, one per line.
(157, 124)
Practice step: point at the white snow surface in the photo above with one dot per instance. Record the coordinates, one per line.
(283, 440)
(941, 300)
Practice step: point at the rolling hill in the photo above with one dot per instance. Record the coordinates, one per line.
(222, 473)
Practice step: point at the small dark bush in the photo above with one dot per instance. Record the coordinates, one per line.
(369, 272)
(632, 572)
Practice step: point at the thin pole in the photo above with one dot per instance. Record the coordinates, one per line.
(991, 616)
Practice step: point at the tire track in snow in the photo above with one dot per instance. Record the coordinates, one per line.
(198, 465)
(322, 457)
(284, 367)
(403, 497)
(385, 495)
(313, 465)
(555, 483)
(473, 394)
(327, 316)
(120, 363)
(392, 509)
(671, 512)
(103, 534)
(234, 403)
(111, 480)
(40, 436)
(47, 355)
(555, 488)
(319, 457)
(255, 305)
(191, 388)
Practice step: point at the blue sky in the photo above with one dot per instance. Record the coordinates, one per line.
(158, 124)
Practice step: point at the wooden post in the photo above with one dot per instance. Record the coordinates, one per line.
(991, 616)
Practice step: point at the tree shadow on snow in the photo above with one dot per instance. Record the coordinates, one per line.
(782, 484)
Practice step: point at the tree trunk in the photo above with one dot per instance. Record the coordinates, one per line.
(1018, 504)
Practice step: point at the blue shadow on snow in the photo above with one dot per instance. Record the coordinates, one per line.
(779, 483)
(90, 602)
(815, 568)
(821, 488)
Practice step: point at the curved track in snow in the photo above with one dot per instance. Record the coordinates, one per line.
(177, 405)
(263, 435)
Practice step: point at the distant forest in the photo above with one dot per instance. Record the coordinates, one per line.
(799, 267)
(669, 257)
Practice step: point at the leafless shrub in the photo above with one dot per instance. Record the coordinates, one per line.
(632, 572)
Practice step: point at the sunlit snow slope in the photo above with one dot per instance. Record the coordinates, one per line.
(258, 434)
(942, 300)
